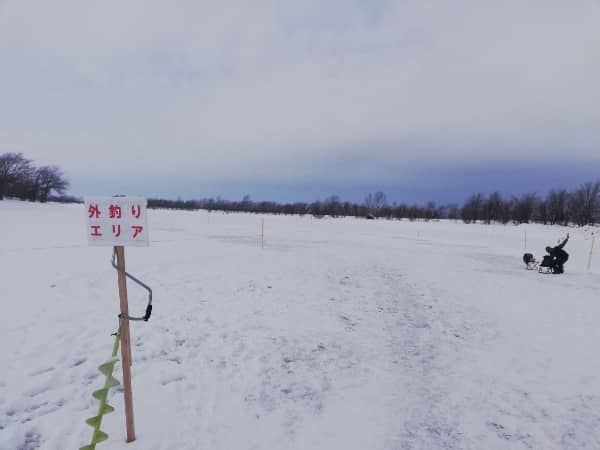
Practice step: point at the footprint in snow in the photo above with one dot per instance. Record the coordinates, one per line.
(42, 371)
(31, 441)
(78, 362)
(169, 380)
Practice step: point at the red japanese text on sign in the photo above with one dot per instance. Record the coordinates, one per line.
(114, 212)
(136, 211)
(137, 229)
(93, 211)
(117, 221)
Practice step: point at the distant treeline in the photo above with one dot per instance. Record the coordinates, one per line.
(19, 178)
(560, 206)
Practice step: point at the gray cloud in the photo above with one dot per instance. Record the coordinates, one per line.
(268, 89)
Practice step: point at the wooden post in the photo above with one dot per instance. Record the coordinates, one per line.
(262, 233)
(591, 251)
(125, 344)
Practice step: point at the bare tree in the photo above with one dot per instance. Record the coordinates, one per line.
(370, 202)
(14, 168)
(453, 212)
(472, 209)
(557, 206)
(379, 200)
(49, 179)
(542, 211)
(333, 206)
(524, 207)
(585, 202)
(492, 207)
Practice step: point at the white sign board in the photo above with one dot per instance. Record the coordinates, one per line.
(117, 221)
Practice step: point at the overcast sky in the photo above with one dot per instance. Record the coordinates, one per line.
(298, 100)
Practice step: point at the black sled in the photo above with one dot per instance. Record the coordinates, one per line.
(532, 264)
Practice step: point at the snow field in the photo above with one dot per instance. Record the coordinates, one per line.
(340, 334)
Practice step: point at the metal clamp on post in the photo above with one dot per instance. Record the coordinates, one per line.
(146, 316)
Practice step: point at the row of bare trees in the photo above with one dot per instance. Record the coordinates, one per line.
(19, 178)
(375, 205)
(580, 206)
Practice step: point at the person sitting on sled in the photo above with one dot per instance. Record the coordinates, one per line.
(558, 256)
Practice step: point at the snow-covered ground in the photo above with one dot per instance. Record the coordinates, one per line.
(339, 334)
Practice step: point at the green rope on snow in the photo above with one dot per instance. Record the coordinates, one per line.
(104, 408)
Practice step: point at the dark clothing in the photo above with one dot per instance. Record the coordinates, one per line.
(547, 261)
(559, 257)
(559, 261)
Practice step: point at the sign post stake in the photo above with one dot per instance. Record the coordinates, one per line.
(125, 344)
(591, 251)
(117, 222)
